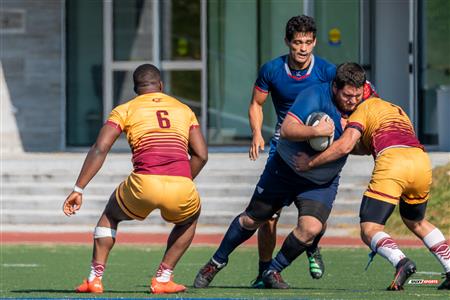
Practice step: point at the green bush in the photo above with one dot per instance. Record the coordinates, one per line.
(438, 209)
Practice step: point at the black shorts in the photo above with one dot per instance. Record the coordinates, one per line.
(377, 211)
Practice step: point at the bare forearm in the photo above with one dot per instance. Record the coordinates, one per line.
(297, 132)
(92, 164)
(197, 163)
(255, 115)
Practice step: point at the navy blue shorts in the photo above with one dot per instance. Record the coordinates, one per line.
(280, 186)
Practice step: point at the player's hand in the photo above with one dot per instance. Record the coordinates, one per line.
(72, 203)
(256, 146)
(301, 162)
(325, 127)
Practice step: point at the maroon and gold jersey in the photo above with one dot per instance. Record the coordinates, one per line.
(383, 125)
(157, 128)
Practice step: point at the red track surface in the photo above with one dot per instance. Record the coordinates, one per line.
(160, 239)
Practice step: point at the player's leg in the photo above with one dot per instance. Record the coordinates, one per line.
(413, 216)
(267, 238)
(315, 261)
(312, 216)
(373, 216)
(179, 203)
(261, 208)
(104, 239)
(178, 242)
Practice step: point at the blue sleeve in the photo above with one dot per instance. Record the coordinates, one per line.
(263, 82)
(329, 72)
(307, 102)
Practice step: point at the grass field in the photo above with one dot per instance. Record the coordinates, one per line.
(53, 272)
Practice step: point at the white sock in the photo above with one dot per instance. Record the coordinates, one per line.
(383, 244)
(436, 243)
(164, 273)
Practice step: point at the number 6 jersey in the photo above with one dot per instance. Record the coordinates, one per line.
(157, 128)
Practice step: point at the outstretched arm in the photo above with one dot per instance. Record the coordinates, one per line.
(92, 164)
(255, 115)
(198, 151)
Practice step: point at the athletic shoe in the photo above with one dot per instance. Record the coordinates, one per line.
(273, 280)
(95, 286)
(258, 282)
(405, 268)
(445, 285)
(168, 287)
(316, 265)
(206, 274)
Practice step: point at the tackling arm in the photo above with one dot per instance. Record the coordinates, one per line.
(338, 149)
(255, 115)
(198, 151)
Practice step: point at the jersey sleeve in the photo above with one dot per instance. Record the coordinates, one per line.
(329, 72)
(193, 121)
(263, 82)
(117, 117)
(306, 102)
(359, 118)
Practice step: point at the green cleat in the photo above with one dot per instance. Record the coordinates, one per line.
(316, 265)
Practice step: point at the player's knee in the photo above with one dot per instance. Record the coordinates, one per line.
(103, 232)
(249, 223)
(369, 229)
(308, 228)
(413, 225)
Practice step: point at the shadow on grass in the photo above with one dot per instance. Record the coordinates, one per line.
(71, 291)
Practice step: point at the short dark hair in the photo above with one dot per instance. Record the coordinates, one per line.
(301, 23)
(349, 73)
(145, 76)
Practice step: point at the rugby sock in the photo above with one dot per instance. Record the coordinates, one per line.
(383, 244)
(263, 265)
(96, 271)
(163, 273)
(436, 243)
(235, 235)
(291, 249)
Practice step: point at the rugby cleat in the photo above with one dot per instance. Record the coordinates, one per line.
(206, 274)
(273, 280)
(95, 286)
(316, 265)
(405, 268)
(258, 282)
(168, 287)
(445, 285)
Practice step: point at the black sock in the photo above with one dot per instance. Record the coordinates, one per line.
(235, 236)
(291, 249)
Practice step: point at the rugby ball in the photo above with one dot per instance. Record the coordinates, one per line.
(319, 143)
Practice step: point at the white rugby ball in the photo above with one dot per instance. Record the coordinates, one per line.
(319, 143)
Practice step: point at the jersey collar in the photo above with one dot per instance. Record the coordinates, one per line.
(289, 73)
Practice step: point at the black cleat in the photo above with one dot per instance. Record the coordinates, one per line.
(207, 273)
(316, 265)
(405, 268)
(445, 285)
(273, 280)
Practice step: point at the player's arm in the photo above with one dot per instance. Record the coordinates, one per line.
(360, 149)
(197, 150)
(338, 149)
(92, 164)
(255, 115)
(293, 128)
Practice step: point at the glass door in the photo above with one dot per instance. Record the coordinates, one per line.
(168, 34)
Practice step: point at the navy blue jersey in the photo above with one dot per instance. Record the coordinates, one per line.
(276, 78)
(318, 98)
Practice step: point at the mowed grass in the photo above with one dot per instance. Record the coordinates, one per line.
(54, 271)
